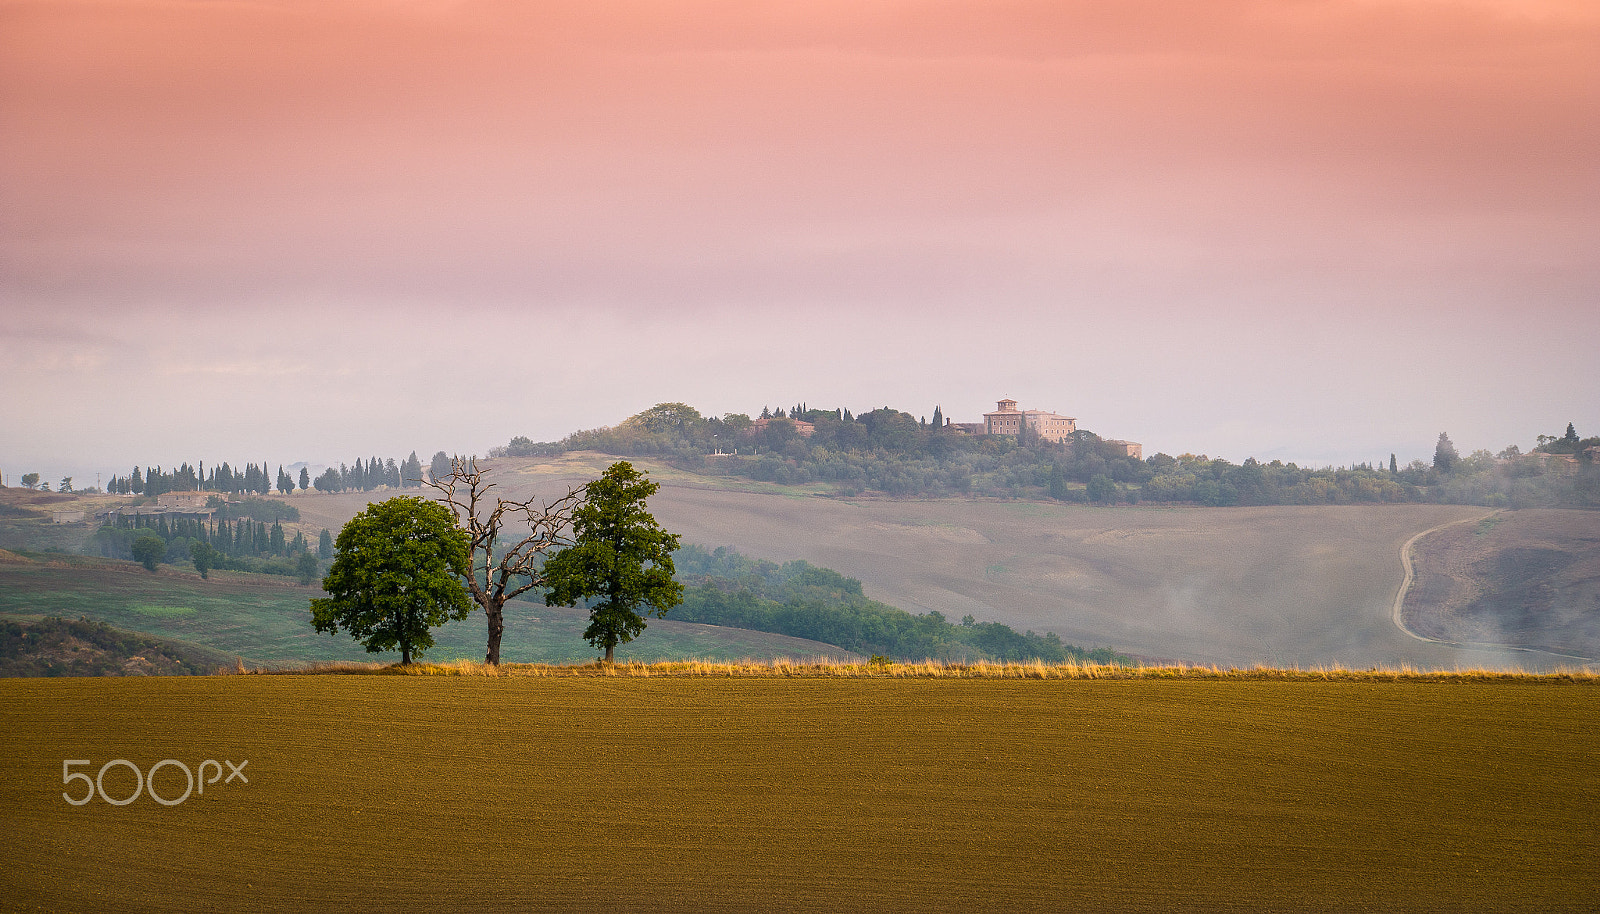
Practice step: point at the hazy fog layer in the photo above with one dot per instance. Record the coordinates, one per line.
(313, 231)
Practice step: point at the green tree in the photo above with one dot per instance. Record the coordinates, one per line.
(305, 478)
(411, 471)
(396, 576)
(30, 480)
(439, 465)
(1101, 489)
(620, 556)
(1394, 465)
(305, 568)
(148, 549)
(325, 545)
(66, 482)
(1058, 483)
(1444, 454)
(675, 418)
(204, 557)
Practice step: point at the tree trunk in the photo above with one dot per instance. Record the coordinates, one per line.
(495, 610)
(609, 649)
(405, 653)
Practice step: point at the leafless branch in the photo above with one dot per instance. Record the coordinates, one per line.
(493, 581)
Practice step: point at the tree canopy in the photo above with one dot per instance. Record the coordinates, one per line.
(148, 549)
(1444, 454)
(396, 576)
(621, 558)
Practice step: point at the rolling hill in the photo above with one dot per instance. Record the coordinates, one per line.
(1289, 586)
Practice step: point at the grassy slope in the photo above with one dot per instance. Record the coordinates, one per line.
(265, 618)
(388, 793)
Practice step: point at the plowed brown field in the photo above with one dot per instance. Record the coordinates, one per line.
(448, 794)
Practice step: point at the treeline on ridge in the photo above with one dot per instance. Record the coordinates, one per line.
(895, 453)
(364, 475)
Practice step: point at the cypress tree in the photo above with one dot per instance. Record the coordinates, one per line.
(411, 471)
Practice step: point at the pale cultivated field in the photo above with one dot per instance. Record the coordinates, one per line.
(1293, 586)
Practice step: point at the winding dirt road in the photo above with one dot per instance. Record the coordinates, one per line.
(1410, 575)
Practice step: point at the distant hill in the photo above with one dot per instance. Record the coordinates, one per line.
(890, 452)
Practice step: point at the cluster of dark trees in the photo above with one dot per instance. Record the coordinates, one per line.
(896, 453)
(224, 478)
(364, 476)
(369, 475)
(1569, 443)
(242, 544)
(723, 587)
(1507, 479)
(1217, 482)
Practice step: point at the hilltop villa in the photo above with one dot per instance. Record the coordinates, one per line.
(1007, 419)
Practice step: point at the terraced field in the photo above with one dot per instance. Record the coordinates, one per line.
(404, 793)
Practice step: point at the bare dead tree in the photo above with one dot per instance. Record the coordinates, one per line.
(498, 577)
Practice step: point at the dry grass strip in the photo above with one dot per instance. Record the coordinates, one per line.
(822, 668)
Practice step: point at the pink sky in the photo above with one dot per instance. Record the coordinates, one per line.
(1317, 231)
